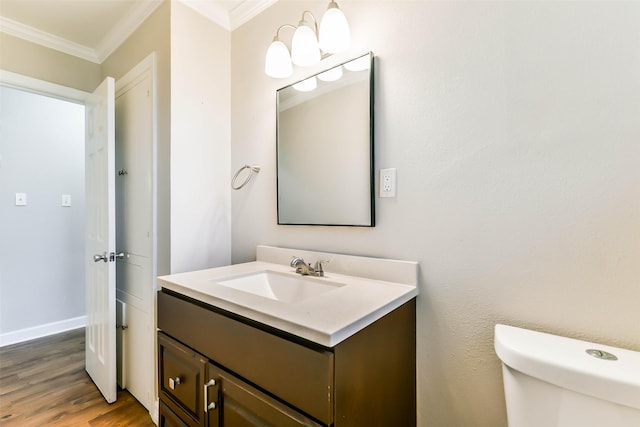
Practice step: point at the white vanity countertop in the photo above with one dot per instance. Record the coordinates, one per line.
(326, 319)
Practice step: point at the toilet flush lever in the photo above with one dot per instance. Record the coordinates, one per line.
(601, 354)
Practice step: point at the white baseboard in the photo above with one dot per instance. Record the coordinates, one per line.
(155, 412)
(40, 331)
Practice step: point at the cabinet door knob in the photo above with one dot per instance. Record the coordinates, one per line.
(173, 382)
(211, 406)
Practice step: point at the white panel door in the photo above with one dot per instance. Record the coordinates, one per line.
(100, 347)
(134, 230)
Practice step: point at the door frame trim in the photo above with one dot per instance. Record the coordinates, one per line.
(42, 87)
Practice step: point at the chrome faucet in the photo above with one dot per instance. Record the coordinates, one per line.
(305, 269)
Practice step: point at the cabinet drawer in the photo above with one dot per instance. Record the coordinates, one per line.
(181, 377)
(168, 418)
(297, 374)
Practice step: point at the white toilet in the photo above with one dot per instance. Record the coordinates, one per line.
(552, 381)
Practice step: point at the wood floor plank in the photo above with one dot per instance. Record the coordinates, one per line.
(43, 383)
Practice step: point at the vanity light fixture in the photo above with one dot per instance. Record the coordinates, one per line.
(359, 64)
(331, 75)
(305, 50)
(306, 85)
(308, 45)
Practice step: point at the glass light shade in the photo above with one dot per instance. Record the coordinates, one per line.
(304, 46)
(278, 62)
(335, 35)
(331, 75)
(306, 85)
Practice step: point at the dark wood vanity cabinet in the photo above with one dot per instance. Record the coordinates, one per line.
(168, 418)
(181, 381)
(207, 395)
(217, 369)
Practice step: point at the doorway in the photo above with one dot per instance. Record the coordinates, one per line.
(42, 234)
(135, 222)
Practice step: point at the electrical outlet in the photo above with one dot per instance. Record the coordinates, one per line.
(66, 200)
(388, 182)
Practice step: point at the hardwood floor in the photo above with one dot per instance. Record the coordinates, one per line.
(43, 383)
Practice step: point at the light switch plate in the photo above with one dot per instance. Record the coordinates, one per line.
(66, 200)
(21, 199)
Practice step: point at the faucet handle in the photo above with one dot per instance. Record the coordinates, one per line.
(318, 267)
(296, 260)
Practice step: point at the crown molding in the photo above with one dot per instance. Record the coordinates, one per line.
(246, 11)
(33, 35)
(125, 27)
(211, 11)
(118, 34)
(227, 19)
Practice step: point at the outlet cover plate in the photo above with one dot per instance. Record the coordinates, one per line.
(388, 182)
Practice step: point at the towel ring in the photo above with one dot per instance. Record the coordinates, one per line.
(252, 170)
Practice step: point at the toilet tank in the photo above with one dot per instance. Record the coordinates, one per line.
(553, 381)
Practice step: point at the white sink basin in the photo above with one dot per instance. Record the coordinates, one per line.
(280, 286)
(356, 292)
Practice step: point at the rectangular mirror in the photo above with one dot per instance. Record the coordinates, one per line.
(325, 147)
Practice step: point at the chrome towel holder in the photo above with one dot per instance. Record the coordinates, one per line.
(252, 170)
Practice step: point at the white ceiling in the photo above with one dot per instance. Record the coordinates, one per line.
(93, 29)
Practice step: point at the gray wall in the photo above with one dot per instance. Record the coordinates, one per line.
(514, 130)
(42, 243)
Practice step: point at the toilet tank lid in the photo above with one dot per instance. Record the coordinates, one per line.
(565, 363)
